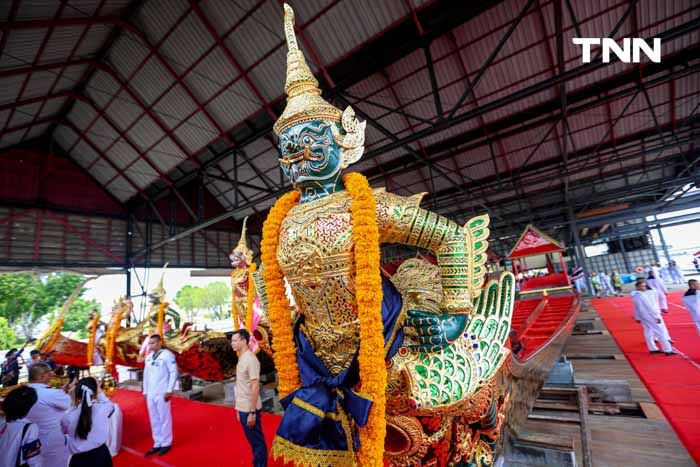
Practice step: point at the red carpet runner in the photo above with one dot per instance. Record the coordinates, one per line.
(674, 382)
(203, 434)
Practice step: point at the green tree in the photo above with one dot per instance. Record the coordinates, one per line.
(185, 299)
(76, 319)
(7, 334)
(214, 300)
(26, 297)
(218, 299)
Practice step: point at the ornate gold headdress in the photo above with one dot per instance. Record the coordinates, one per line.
(242, 246)
(160, 289)
(304, 101)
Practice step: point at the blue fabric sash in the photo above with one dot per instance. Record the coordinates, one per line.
(325, 393)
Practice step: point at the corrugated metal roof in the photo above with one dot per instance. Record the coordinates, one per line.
(524, 60)
(65, 137)
(141, 173)
(121, 189)
(122, 154)
(83, 153)
(24, 114)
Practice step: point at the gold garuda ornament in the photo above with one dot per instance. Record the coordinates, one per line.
(414, 356)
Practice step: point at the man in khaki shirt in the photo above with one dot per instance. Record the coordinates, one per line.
(248, 401)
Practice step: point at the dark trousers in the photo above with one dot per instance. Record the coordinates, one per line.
(98, 457)
(256, 439)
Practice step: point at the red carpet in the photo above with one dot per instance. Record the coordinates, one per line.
(674, 382)
(203, 434)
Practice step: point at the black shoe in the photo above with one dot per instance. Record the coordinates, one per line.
(152, 451)
(668, 354)
(654, 351)
(164, 450)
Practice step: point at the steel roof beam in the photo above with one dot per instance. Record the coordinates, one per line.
(537, 88)
(35, 62)
(71, 56)
(546, 165)
(212, 31)
(58, 23)
(509, 32)
(85, 78)
(11, 19)
(513, 125)
(141, 155)
(154, 51)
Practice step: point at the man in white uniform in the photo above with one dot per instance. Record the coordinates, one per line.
(691, 300)
(676, 273)
(159, 379)
(606, 284)
(50, 407)
(658, 286)
(646, 312)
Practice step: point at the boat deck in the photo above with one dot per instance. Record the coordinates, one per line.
(626, 426)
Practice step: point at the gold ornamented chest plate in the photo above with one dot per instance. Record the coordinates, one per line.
(315, 254)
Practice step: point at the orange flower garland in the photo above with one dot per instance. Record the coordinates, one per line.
(365, 233)
(54, 332)
(91, 340)
(251, 298)
(368, 281)
(284, 353)
(161, 317)
(234, 310)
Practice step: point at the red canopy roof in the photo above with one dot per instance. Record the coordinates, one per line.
(534, 242)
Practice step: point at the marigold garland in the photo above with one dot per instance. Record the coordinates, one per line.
(368, 282)
(365, 233)
(284, 351)
(250, 297)
(111, 336)
(234, 309)
(91, 340)
(54, 331)
(161, 318)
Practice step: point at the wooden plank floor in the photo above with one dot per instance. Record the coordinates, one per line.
(617, 441)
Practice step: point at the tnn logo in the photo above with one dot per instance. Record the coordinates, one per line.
(628, 53)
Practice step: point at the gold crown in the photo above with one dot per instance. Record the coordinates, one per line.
(304, 101)
(242, 246)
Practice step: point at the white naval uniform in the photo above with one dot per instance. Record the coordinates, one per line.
(50, 406)
(606, 284)
(660, 289)
(692, 304)
(676, 274)
(646, 310)
(159, 378)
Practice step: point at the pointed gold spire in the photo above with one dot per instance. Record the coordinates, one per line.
(242, 246)
(304, 101)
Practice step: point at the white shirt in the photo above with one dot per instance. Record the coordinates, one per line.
(657, 285)
(99, 432)
(159, 372)
(50, 407)
(646, 305)
(10, 443)
(692, 304)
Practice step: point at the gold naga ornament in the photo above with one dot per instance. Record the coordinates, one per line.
(416, 355)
